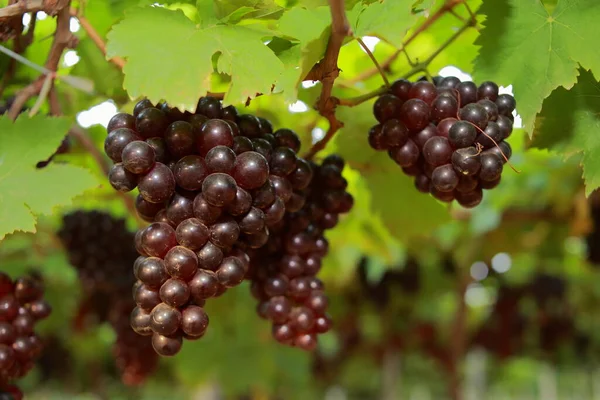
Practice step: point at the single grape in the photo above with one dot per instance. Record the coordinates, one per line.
(467, 183)
(264, 196)
(166, 346)
(387, 107)
(158, 185)
(203, 285)
(116, 141)
(422, 183)
(474, 113)
(467, 93)
(147, 210)
(160, 149)
(275, 212)
(251, 170)
(283, 333)
(231, 272)
(423, 90)
(421, 137)
(299, 288)
(180, 139)
(302, 319)
(229, 113)
(506, 104)
(488, 90)
(295, 203)
(181, 262)
(214, 132)
(437, 151)
(292, 266)
(165, 319)
(449, 82)
(487, 185)
(376, 138)
(242, 144)
(445, 197)
(322, 324)
(501, 151)
(151, 122)
(253, 221)
(462, 134)
(401, 89)
(443, 127)
(23, 324)
(265, 126)
(394, 133)
(241, 204)
(146, 297)
(279, 309)
(157, 239)
(256, 240)
(490, 107)
(415, 114)
(180, 208)
(39, 309)
(444, 107)
(406, 155)
(317, 302)
(283, 161)
(141, 105)
(220, 159)
(466, 161)
(219, 189)
(7, 359)
(121, 120)
(140, 321)
(444, 178)
(121, 179)
(205, 212)
(491, 167)
(287, 138)
(283, 187)
(225, 232)
(505, 125)
(263, 147)
(210, 257)
(312, 265)
(249, 126)
(209, 106)
(194, 321)
(151, 272)
(469, 199)
(493, 136)
(174, 292)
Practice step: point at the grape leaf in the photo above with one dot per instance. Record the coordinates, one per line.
(535, 50)
(388, 20)
(260, 8)
(24, 190)
(569, 122)
(160, 66)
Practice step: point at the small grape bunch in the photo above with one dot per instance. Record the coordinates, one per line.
(450, 136)
(21, 307)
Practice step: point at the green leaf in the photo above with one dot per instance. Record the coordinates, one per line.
(260, 8)
(388, 20)
(569, 122)
(207, 13)
(25, 191)
(535, 50)
(177, 67)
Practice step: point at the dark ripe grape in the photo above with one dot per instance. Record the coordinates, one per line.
(146, 298)
(295, 203)
(414, 170)
(387, 107)
(302, 319)
(275, 212)
(449, 82)
(502, 150)
(39, 309)
(214, 132)
(401, 89)
(231, 272)
(121, 179)
(329, 221)
(158, 185)
(145, 209)
(160, 149)
(506, 104)
(278, 309)
(446, 197)
(406, 155)
(491, 167)
(265, 126)
(444, 178)
(249, 126)
(121, 120)
(421, 137)
(7, 333)
(181, 262)
(492, 134)
(251, 170)
(174, 292)
(299, 243)
(262, 308)
(287, 138)
(467, 92)
(141, 105)
(437, 151)
(209, 106)
(229, 113)
(505, 125)
(241, 204)
(242, 256)
(242, 144)
(203, 285)
(312, 265)
(283, 333)
(23, 324)
(283, 187)
(7, 359)
(466, 161)
(263, 147)
(264, 196)
(466, 183)
(192, 233)
(448, 92)
(488, 90)
(322, 324)
(462, 134)
(283, 161)
(469, 199)
(151, 122)
(225, 232)
(209, 257)
(220, 159)
(194, 321)
(166, 346)
(180, 208)
(487, 185)
(180, 139)
(140, 321)
(116, 141)
(299, 288)
(151, 272)
(27, 289)
(376, 139)
(415, 114)
(165, 319)
(137, 241)
(6, 284)
(161, 216)
(394, 133)
(276, 285)
(443, 127)
(423, 183)
(317, 301)
(219, 189)
(253, 221)
(24, 349)
(424, 91)
(321, 247)
(490, 107)
(334, 159)
(474, 113)
(204, 211)
(444, 107)
(292, 266)
(235, 130)
(197, 120)
(331, 200)
(172, 113)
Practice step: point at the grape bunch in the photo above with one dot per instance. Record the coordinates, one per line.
(102, 250)
(283, 272)
(21, 307)
(212, 184)
(450, 136)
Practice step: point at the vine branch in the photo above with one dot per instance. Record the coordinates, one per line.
(50, 7)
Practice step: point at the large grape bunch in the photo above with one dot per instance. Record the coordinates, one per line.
(21, 307)
(102, 250)
(212, 184)
(450, 136)
(283, 273)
